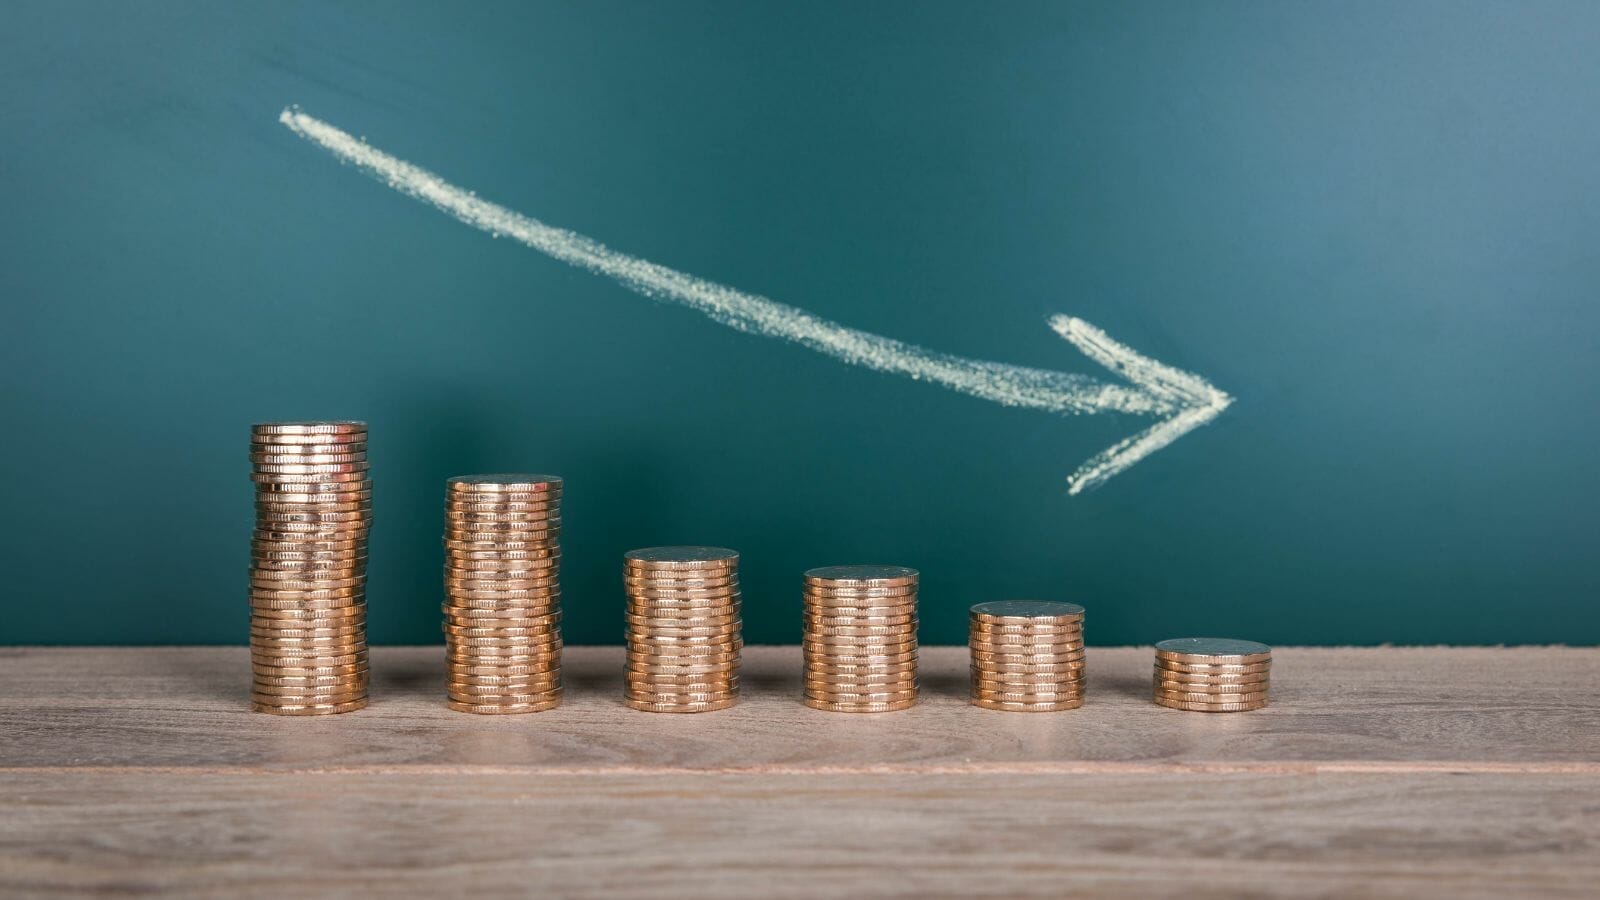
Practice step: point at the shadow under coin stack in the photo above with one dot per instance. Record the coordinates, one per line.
(860, 638)
(308, 567)
(1212, 674)
(1027, 655)
(502, 609)
(683, 628)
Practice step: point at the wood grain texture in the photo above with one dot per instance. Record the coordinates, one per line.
(736, 836)
(1389, 709)
(1377, 773)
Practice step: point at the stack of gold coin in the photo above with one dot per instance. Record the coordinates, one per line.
(308, 567)
(683, 628)
(1212, 674)
(502, 585)
(860, 642)
(1027, 655)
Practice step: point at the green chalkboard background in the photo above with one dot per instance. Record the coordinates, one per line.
(1376, 225)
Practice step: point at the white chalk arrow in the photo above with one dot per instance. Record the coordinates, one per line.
(1180, 401)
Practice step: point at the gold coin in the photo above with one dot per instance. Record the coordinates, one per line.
(348, 563)
(899, 663)
(1212, 707)
(306, 453)
(851, 645)
(343, 689)
(680, 615)
(330, 426)
(280, 702)
(316, 709)
(1194, 678)
(478, 587)
(656, 606)
(526, 639)
(1011, 649)
(257, 604)
(310, 657)
(704, 656)
(290, 660)
(503, 568)
(861, 576)
(319, 617)
(1213, 650)
(503, 482)
(680, 699)
(501, 522)
(302, 681)
(521, 616)
(508, 538)
(980, 675)
(1024, 611)
(480, 598)
(681, 557)
(860, 683)
(854, 621)
(505, 709)
(866, 631)
(330, 500)
(1030, 696)
(337, 642)
(1205, 669)
(303, 672)
(1189, 687)
(692, 684)
(473, 687)
(340, 490)
(496, 545)
(529, 699)
(677, 707)
(824, 614)
(678, 579)
(1008, 660)
(488, 658)
(281, 479)
(521, 644)
(315, 546)
(719, 620)
(1008, 706)
(269, 519)
(467, 498)
(830, 706)
(860, 607)
(861, 698)
(491, 503)
(864, 596)
(1026, 634)
(1209, 698)
(711, 668)
(303, 468)
(464, 670)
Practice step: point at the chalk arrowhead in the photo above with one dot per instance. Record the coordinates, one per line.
(1193, 400)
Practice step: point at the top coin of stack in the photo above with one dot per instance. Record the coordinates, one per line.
(308, 563)
(683, 628)
(1212, 674)
(502, 609)
(860, 641)
(1027, 655)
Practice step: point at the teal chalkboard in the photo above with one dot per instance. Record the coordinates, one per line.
(1272, 320)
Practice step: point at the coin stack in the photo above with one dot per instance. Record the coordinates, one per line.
(860, 643)
(1027, 655)
(502, 609)
(1212, 674)
(308, 567)
(682, 628)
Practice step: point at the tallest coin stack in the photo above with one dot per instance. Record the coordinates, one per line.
(308, 567)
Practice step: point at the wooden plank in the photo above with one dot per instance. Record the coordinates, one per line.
(714, 835)
(1389, 709)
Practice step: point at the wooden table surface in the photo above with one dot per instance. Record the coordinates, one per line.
(1376, 772)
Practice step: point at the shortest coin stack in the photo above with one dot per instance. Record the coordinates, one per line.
(1027, 655)
(1212, 674)
(683, 629)
(860, 638)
